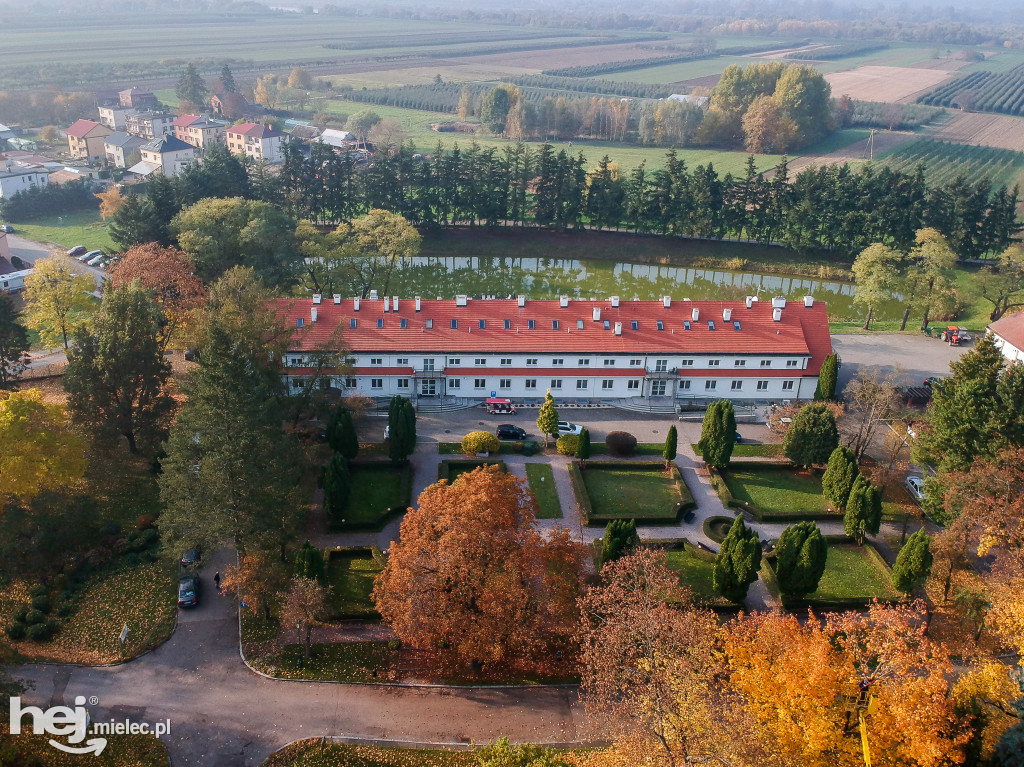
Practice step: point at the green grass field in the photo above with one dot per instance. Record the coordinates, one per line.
(542, 483)
(945, 161)
(695, 569)
(351, 575)
(853, 572)
(78, 228)
(775, 490)
(376, 487)
(630, 493)
(751, 451)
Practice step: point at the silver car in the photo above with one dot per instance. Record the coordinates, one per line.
(568, 427)
(915, 486)
(96, 260)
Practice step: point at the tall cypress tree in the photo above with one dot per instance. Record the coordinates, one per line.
(337, 485)
(838, 479)
(583, 447)
(914, 563)
(718, 434)
(341, 433)
(828, 378)
(863, 510)
(800, 558)
(671, 444)
(737, 562)
(619, 536)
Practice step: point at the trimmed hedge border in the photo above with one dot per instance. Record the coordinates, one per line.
(761, 515)
(720, 604)
(352, 551)
(706, 527)
(405, 485)
(579, 490)
(444, 467)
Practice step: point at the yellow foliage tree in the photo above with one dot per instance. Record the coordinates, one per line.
(57, 301)
(40, 451)
(110, 201)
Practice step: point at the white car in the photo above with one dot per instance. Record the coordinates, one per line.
(568, 427)
(915, 486)
(86, 257)
(97, 259)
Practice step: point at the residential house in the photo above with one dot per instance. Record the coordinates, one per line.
(137, 98)
(149, 125)
(167, 155)
(1008, 333)
(115, 116)
(15, 179)
(305, 133)
(588, 351)
(70, 173)
(199, 130)
(230, 105)
(122, 149)
(260, 142)
(85, 140)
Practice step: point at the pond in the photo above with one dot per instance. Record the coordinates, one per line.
(431, 276)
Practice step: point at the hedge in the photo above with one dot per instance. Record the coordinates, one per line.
(444, 468)
(362, 552)
(579, 488)
(405, 492)
(761, 515)
(712, 520)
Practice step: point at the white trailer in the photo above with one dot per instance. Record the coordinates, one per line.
(14, 282)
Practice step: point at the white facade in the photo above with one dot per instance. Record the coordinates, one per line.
(149, 125)
(168, 163)
(1011, 352)
(13, 282)
(14, 181)
(115, 117)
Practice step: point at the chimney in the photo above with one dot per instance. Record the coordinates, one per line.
(777, 314)
(417, 303)
(666, 301)
(808, 301)
(460, 300)
(695, 314)
(373, 294)
(317, 298)
(597, 314)
(387, 303)
(779, 302)
(355, 304)
(394, 304)
(618, 328)
(312, 314)
(337, 298)
(615, 302)
(727, 315)
(749, 301)
(563, 301)
(521, 301)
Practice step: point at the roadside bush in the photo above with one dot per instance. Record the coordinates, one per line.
(52, 626)
(35, 617)
(21, 614)
(132, 559)
(65, 610)
(530, 447)
(620, 444)
(39, 632)
(567, 444)
(517, 447)
(394, 644)
(17, 630)
(42, 603)
(480, 442)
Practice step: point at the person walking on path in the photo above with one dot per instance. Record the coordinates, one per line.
(216, 580)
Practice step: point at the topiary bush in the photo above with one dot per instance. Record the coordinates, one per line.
(620, 443)
(35, 617)
(480, 442)
(530, 447)
(17, 630)
(567, 444)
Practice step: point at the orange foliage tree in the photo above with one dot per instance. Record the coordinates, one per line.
(258, 576)
(472, 578)
(169, 274)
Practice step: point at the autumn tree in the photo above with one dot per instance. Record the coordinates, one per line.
(258, 576)
(547, 417)
(1002, 283)
(812, 436)
(501, 753)
(378, 243)
(650, 670)
(169, 276)
(14, 343)
(837, 481)
(386, 134)
(116, 377)
(737, 562)
(872, 397)
(57, 302)
(40, 450)
(472, 577)
(929, 277)
(913, 563)
(876, 271)
(766, 127)
(718, 434)
(863, 510)
(305, 604)
(300, 78)
(110, 201)
(800, 556)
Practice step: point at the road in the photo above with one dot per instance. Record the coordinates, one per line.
(29, 251)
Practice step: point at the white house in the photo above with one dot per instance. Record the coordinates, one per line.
(588, 351)
(339, 139)
(15, 179)
(1008, 333)
(260, 142)
(122, 149)
(149, 124)
(167, 155)
(115, 116)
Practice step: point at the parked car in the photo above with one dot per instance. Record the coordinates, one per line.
(87, 256)
(915, 486)
(77, 251)
(188, 591)
(95, 260)
(7, 228)
(192, 557)
(508, 431)
(568, 427)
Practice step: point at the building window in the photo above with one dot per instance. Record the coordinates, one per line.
(480, 361)
(581, 383)
(607, 383)
(787, 385)
(380, 322)
(531, 383)
(737, 385)
(714, 363)
(455, 324)
(352, 323)
(739, 363)
(554, 324)
(428, 363)
(454, 383)
(762, 385)
(584, 362)
(688, 363)
(403, 383)
(710, 385)
(508, 324)
(402, 361)
(295, 361)
(766, 363)
(633, 383)
(684, 385)
(350, 383)
(404, 322)
(609, 363)
(660, 366)
(792, 363)
(579, 324)
(455, 360)
(482, 324)
(532, 324)
(430, 324)
(557, 361)
(531, 360)
(376, 383)
(635, 363)
(556, 383)
(376, 360)
(658, 388)
(479, 383)
(504, 383)
(661, 325)
(633, 325)
(506, 360)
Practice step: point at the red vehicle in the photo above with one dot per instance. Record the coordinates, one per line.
(953, 335)
(497, 405)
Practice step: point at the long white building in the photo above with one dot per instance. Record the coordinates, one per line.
(589, 351)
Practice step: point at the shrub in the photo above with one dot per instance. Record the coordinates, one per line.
(378, 556)
(530, 447)
(41, 603)
(620, 443)
(394, 644)
(800, 556)
(336, 481)
(914, 563)
(39, 590)
(517, 447)
(39, 632)
(52, 626)
(145, 522)
(309, 562)
(132, 559)
(17, 631)
(65, 610)
(812, 436)
(567, 444)
(35, 617)
(619, 536)
(21, 613)
(480, 442)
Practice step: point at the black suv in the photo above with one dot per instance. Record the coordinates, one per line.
(508, 431)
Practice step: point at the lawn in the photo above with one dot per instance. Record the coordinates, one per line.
(747, 450)
(121, 750)
(777, 492)
(350, 575)
(379, 489)
(632, 491)
(83, 227)
(338, 661)
(542, 483)
(853, 573)
(695, 568)
(451, 469)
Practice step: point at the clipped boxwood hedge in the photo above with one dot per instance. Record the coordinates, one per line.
(711, 522)
(761, 515)
(685, 498)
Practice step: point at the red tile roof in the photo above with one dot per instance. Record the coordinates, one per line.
(81, 128)
(185, 120)
(1010, 328)
(802, 330)
(254, 130)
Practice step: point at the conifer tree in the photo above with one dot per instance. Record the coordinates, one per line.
(309, 563)
(337, 485)
(341, 433)
(914, 563)
(828, 377)
(718, 434)
(838, 479)
(619, 536)
(737, 562)
(583, 447)
(863, 510)
(812, 436)
(671, 444)
(800, 558)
